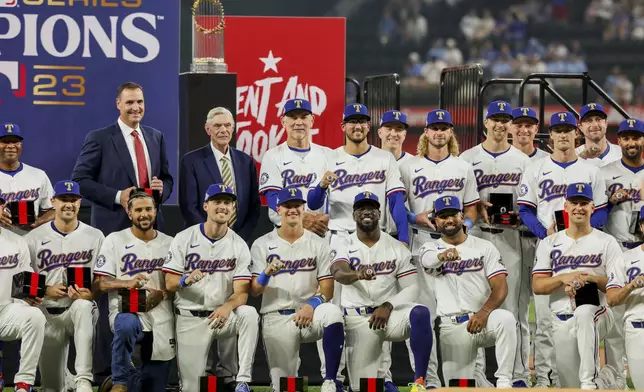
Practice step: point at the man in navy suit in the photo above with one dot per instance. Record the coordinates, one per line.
(217, 162)
(119, 158)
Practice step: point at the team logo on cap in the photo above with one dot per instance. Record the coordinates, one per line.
(631, 123)
(501, 106)
(525, 111)
(367, 195)
(68, 186)
(292, 191)
(562, 116)
(592, 106)
(440, 115)
(580, 188)
(9, 128)
(397, 115)
(447, 200)
(298, 103)
(357, 107)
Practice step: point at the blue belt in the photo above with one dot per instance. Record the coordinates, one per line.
(286, 312)
(631, 245)
(564, 317)
(638, 324)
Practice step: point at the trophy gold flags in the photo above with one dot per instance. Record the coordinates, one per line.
(208, 37)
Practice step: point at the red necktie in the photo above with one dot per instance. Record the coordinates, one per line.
(141, 165)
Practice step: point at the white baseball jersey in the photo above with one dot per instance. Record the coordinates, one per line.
(388, 258)
(595, 253)
(283, 167)
(374, 171)
(546, 181)
(462, 286)
(14, 258)
(624, 271)
(124, 256)
(27, 183)
(222, 262)
(613, 153)
(306, 263)
(497, 172)
(619, 176)
(52, 252)
(426, 180)
(538, 154)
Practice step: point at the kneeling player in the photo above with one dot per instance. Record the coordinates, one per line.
(70, 310)
(378, 297)
(209, 268)
(291, 270)
(470, 287)
(132, 259)
(566, 262)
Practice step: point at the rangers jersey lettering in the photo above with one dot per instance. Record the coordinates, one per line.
(595, 253)
(14, 258)
(222, 261)
(52, 252)
(618, 176)
(306, 263)
(625, 270)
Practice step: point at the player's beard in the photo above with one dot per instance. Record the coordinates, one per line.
(357, 140)
(450, 232)
(633, 152)
(146, 225)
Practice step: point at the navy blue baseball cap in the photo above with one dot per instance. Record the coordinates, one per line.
(579, 190)
(394, 116)
(592, 108)
(439, 116)
(297, 104)
(366, 197)
(10, 129)
(524, 112)
(563, 118)
(355, 110)
(631, 125)
(67, 187)
(217, 190)
(447, 203)
(289, 194)
(499, 108)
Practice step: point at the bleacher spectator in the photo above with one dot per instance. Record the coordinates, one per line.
(415, 25)
(470, 25)
(453, 55)
(388, 27)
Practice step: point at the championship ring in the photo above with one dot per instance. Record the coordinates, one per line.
(329, 178)
(619, 196)
(576, 285)
(370, 272)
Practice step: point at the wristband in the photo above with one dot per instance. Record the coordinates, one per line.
(182, 281)
(468, 222)
(263, 279)
(315, 301)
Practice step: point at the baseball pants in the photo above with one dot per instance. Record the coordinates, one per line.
(634, 337)
(225, 364)
(614, 347)
(576, 337)
(459, 348)
(77, 321)
(282, 339)
(21, 321)
(195, 337)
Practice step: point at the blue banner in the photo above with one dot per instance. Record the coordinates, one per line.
(61, 62)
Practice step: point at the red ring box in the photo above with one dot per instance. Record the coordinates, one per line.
(28, 284)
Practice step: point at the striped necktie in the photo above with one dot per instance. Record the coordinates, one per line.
(227, 178)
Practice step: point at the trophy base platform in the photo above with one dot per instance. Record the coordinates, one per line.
(209, 67)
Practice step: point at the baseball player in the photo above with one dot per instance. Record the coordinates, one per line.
(18, 319)
(525, 125)
(291, 270)
(353, 168)
(597, 149)
(295, 163)
(132, 259)
(437, 171)
(498, 168)
(209, 268)
(624, 288)
(471, 287)
(19, 181)
(623, 179)
(567, 261)
(70, 310)
(378, 296)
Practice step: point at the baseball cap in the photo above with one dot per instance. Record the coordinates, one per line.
(355, 110)
(297, 104)
(524, 112)
(10, 129)
(289, 194)
(498, 108)
(217, 190)
(580, 190)
(394, 116)
(447, 203)
(67, 187)
(592, 108)
(366, 197)
(439, 116)
(631, 125)
(563, 118)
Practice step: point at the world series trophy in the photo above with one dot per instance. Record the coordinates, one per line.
(208, 37)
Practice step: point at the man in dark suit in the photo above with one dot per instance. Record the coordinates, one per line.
(219, 163)
(119, 158)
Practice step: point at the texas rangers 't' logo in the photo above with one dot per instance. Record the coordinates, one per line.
(15, 72)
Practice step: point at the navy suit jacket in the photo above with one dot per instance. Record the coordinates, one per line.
(104, 167)
(199, 170)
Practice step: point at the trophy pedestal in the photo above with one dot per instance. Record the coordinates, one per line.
(198, 94)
